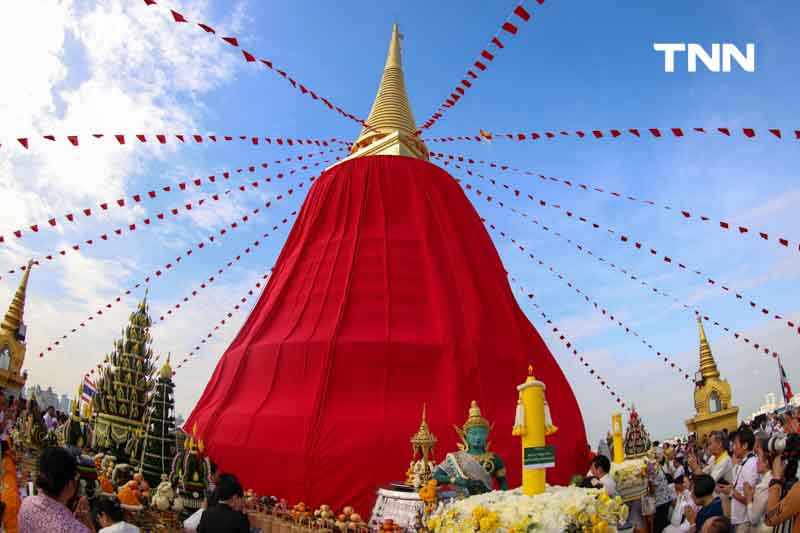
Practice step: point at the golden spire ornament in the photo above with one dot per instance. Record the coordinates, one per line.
(708, 367)
(12, 338)
(391, 129)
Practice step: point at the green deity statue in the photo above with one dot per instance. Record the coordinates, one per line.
(474, 466)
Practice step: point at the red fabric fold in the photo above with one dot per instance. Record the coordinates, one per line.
(388, 293)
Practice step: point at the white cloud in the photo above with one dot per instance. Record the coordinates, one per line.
(97, 67)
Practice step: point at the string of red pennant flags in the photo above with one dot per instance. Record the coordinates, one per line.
(217, 273)
(214, 237)
(590, 301)
(638, 133)
(162, 138)
(561, 336)
(624, 239)
(738, 336)
(175, 211)
(685, 214)
(179, 18)
(509, 28)
(223, 321)
(52, 222)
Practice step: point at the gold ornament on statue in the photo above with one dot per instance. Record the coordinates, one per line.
(475, 420)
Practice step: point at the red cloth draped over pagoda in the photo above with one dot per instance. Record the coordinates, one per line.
(388, 293)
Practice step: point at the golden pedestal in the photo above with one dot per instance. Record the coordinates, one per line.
(710, 422)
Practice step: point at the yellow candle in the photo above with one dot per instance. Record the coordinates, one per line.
(616, 428)
(531, 394)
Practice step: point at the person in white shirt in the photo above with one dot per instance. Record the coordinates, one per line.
(720, 466)
(745, 471)
(676, 467)
(683, 499)
(600, 469)
(50, 419)
(110, 516)
(756, 496)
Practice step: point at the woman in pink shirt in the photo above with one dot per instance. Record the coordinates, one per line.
(48, 511)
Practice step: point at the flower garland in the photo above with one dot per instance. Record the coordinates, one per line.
(559, 509)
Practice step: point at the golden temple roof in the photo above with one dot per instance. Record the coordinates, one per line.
(391, 112)
(13, 319)
(708, 368)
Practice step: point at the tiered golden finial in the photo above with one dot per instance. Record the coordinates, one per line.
(12, 338)
(708, 367)
(391, 129)
(13, 319)
(166, 370)
(423, 440)
(422, 444)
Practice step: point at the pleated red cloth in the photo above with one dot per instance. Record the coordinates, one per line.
(388, 293)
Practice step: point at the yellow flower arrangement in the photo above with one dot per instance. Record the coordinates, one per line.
(559, 509)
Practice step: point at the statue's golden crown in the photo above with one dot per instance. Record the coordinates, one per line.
(475, 419)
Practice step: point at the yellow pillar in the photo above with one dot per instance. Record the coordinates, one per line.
(616, 428)
(531, 394)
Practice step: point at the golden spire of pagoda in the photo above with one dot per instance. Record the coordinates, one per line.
(13, 319)
(391, 129)
(708, 368)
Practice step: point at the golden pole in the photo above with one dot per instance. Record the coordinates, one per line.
(616, 428)
(531, 395)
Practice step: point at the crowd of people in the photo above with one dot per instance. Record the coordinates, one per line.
(742, 482)
(57, 508)
(52, 504)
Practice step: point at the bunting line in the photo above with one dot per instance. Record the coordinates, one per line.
(738, 336)
(638, 133)
(179, 138)
(593, 303)
(179, 18)
(221, 323)
(561, 336)
(174, 212)
(510, 27)
(574, 186)
(167, 267)
(217, 273)
(624, 239)
(139, 198)
(224, 320)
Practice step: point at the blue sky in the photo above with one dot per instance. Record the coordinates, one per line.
(122, 67)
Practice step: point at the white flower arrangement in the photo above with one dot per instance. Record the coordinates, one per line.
(631, 478)
(558, 509)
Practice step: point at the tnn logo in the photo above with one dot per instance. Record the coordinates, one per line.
(694, 51)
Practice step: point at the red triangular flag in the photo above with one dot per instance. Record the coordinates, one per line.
(510, 28)
(177, 16)
(522, 13)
